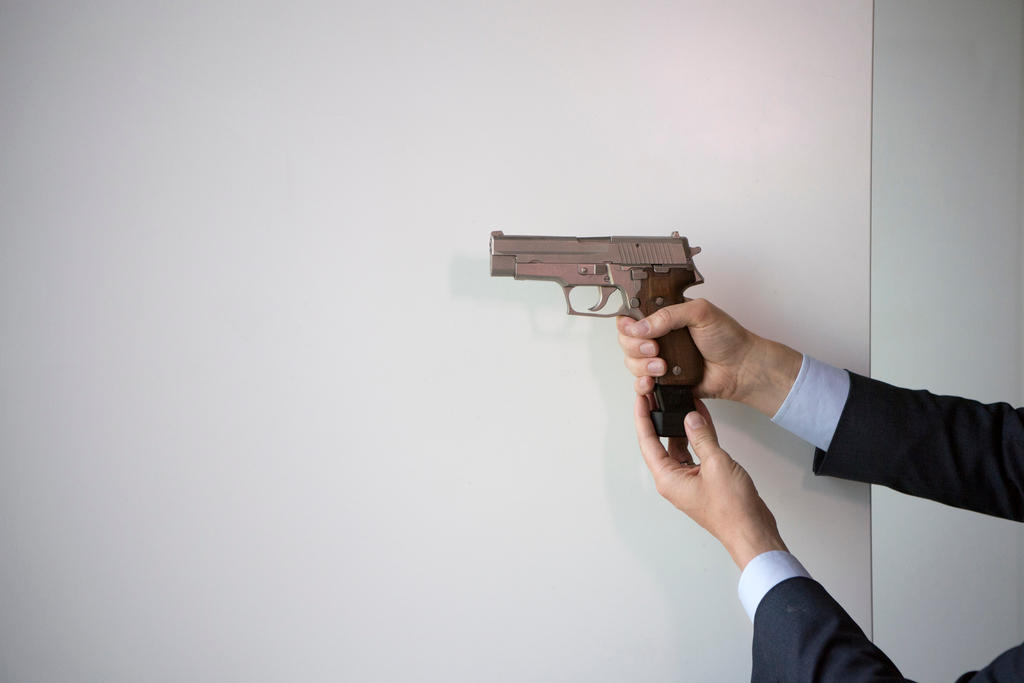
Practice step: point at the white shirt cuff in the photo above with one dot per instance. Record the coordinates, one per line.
(815, 403)
(763, 573)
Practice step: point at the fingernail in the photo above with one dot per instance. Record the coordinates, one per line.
(647, 348)
(640, 329)
(655, 366)
(695, 420)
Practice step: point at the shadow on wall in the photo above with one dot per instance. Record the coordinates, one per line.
(469, 277)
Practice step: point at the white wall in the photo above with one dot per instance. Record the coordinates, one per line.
(946, 311)
(265, 417)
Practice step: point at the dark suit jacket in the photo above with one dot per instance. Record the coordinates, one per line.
(948, 449)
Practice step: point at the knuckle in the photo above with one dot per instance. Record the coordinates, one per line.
(661, 321)
(700, 308)
(630, 345)
(705, 441)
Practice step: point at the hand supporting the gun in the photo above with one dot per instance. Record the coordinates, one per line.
(718, 493)
(738, 364)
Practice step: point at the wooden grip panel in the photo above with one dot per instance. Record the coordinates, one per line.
(685, 364)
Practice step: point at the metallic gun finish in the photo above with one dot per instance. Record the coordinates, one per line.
(613, 264)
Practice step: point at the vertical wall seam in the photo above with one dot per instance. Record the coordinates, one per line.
(871, 223)
(1020, 300)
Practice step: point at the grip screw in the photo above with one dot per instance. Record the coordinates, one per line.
(659, 301)
(676, 370)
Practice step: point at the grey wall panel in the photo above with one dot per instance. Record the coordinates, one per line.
(946, 297)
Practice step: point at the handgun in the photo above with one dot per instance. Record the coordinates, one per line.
(649, 273)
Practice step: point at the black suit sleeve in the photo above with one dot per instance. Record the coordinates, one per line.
(951, 450)
(802, 634)
(948, 449)
(1005, 668)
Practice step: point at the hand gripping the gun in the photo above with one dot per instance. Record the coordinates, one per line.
(649, 272)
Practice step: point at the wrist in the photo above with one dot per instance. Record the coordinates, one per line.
(768, 373)
(748, 546)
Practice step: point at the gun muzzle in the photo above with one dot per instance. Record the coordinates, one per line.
(502, 265)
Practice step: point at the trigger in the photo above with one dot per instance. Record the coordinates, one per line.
(606, 293)
(567, 290)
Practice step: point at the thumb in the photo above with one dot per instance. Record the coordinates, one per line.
(696, 313)
(702, 436)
